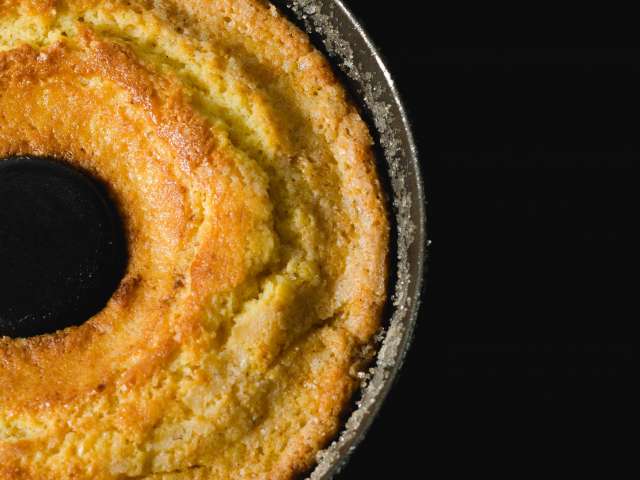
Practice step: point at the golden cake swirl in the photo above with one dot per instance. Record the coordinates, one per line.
(256, 230)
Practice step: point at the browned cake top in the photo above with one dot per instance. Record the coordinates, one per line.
(256, 230)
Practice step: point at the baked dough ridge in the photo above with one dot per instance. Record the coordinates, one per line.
(257, 232)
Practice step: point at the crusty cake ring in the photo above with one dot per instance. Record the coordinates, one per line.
(257, 241)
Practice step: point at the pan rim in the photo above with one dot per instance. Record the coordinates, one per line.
(317, 17)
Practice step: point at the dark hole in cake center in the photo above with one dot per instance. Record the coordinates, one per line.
(62, 246)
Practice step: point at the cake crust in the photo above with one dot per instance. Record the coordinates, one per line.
(257, 238)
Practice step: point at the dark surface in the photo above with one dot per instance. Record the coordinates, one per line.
(62, 250)
(523, 351)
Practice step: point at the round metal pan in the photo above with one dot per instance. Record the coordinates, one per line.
(336, 32)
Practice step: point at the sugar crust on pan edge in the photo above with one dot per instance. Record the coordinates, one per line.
(257, 234)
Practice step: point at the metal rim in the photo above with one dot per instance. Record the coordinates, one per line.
(422, 220)
(316, 16)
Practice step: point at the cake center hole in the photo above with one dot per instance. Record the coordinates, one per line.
(62, 246)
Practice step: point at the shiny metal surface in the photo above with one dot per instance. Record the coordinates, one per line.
(336, 31)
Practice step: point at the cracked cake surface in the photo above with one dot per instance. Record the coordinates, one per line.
(256, 230)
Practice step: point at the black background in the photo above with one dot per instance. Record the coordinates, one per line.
(523, 352)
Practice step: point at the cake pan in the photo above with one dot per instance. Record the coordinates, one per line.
(335, 31)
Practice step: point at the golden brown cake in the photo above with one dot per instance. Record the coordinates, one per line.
(257, 241)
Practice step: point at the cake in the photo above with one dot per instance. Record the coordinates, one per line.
(256, 230)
